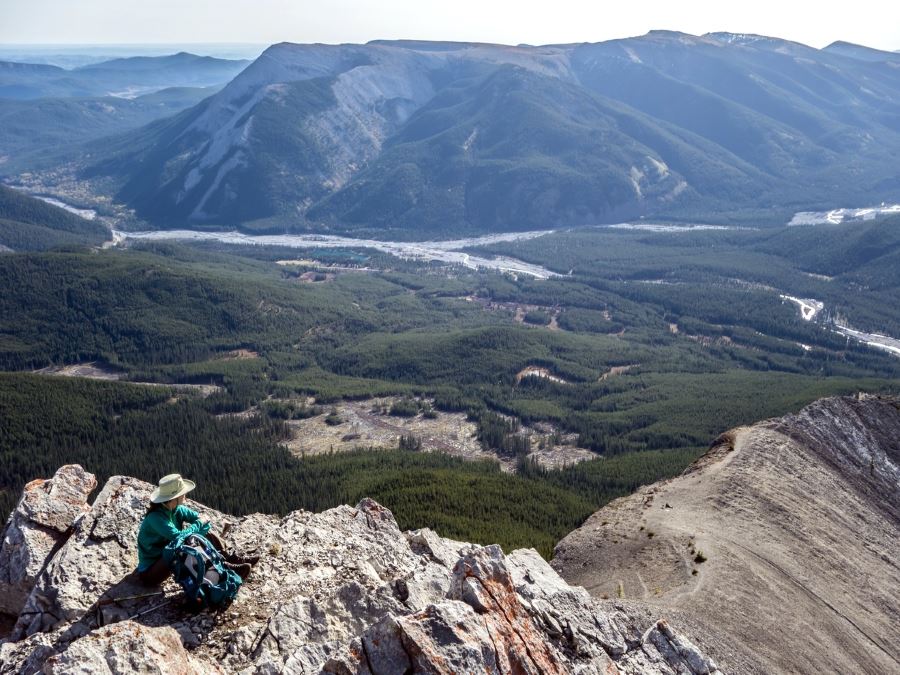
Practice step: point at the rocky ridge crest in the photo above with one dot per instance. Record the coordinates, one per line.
(779, 547)
(342, 592)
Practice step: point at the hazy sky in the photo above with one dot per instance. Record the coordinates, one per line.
(876, 24)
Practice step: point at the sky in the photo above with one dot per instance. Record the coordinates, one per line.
(875, 24)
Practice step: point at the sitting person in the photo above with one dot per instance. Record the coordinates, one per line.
(166, 518)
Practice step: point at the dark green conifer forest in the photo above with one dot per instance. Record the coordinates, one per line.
(646, 348)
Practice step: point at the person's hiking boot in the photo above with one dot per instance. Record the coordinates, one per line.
(241, 569)
(235, 559)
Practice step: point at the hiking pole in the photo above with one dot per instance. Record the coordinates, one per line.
(151, 609)
(109, 601)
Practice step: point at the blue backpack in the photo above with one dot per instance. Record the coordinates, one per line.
(199, 568)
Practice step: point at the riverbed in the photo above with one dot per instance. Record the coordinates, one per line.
(87, 214)
(449, 251)
(452, 251)
(845, 215)
(810, 308)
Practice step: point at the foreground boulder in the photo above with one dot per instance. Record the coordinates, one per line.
(344, 592)
(481, 627)
(100, 554)
(39, 524)
(128, 647)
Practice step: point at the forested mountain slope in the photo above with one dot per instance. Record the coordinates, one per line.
(440, 341)
(53, 123)
(29, 224)
(439, 138)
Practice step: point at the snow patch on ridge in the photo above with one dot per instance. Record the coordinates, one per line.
(662, 169)
(636, 176)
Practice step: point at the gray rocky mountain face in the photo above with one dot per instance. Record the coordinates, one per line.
(343, 591)
(37, 527)
(438, 139)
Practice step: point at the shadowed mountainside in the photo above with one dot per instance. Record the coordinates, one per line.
(45, 124)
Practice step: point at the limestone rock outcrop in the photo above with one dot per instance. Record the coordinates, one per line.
(98, 555)
(128, 647)
(343, 592)
(37, 527)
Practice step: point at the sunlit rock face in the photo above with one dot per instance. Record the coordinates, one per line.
(343, 591)
(40, 523)
(778, 549)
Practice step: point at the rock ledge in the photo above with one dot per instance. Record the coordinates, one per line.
(342, 592)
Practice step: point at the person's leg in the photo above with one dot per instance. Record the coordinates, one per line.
(155, 574)
(230, 557)
(233, 562)
(241, 569)
(216, 542)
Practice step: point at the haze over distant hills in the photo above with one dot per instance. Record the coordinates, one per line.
(125, 77)
(77, 55)
(45, 107)
(38, 124)
(420, 138)
(497, 389)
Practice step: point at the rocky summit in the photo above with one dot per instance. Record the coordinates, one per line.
(775, 552)
(343, 591)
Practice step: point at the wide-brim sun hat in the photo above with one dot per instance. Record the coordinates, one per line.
(171, 487)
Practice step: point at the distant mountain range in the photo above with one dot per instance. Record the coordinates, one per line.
(420, 139)
(44, 107)
(125, 77)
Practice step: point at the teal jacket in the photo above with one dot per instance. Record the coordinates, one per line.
(159, 527)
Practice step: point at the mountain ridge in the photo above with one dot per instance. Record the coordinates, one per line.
(783, 537)
(805, 582)
(122, 76)
(861, 51)
(315, 137)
